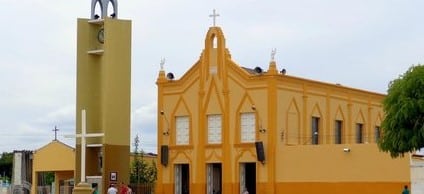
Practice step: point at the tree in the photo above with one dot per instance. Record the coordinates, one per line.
(45, 178)
(141, 172)
(403, 125)
(6, 165)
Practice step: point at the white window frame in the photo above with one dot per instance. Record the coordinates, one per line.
(182, 135)
(214, 129)
(247, 127)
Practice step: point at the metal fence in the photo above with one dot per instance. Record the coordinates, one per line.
(66, 189)
(44, 189)
(15, 189)
(5, 189)
(144, 188)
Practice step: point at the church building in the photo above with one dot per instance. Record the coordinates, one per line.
(225, 128)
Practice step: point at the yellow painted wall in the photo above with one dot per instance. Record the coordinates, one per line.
(45, 158)
(329, 163)
(54, 157)
(284, 106)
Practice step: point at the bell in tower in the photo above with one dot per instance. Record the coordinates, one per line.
(103, 8)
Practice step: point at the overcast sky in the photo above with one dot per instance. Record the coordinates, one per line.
(362, 44)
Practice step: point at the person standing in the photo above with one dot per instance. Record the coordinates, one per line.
(405, 190)
(123, 188)
(129, 190)
(112, 189)
(95, 188)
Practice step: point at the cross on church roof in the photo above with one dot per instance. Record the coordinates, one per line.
(214, 15)
(55, 132)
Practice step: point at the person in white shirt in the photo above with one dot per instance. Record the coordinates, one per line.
(112, 189)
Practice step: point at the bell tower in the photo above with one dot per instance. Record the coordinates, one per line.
(103, 97)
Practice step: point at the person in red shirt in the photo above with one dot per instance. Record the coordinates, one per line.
(123, 188)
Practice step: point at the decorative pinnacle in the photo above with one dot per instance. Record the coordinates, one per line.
(273, 52)
(162, 63)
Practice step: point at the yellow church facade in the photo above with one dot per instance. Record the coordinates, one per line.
(224, 128)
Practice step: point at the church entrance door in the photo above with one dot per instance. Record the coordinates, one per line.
(182, 179)
(248, 177)
(214, 178)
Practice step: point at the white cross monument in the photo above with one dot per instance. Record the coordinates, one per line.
(83, 135)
